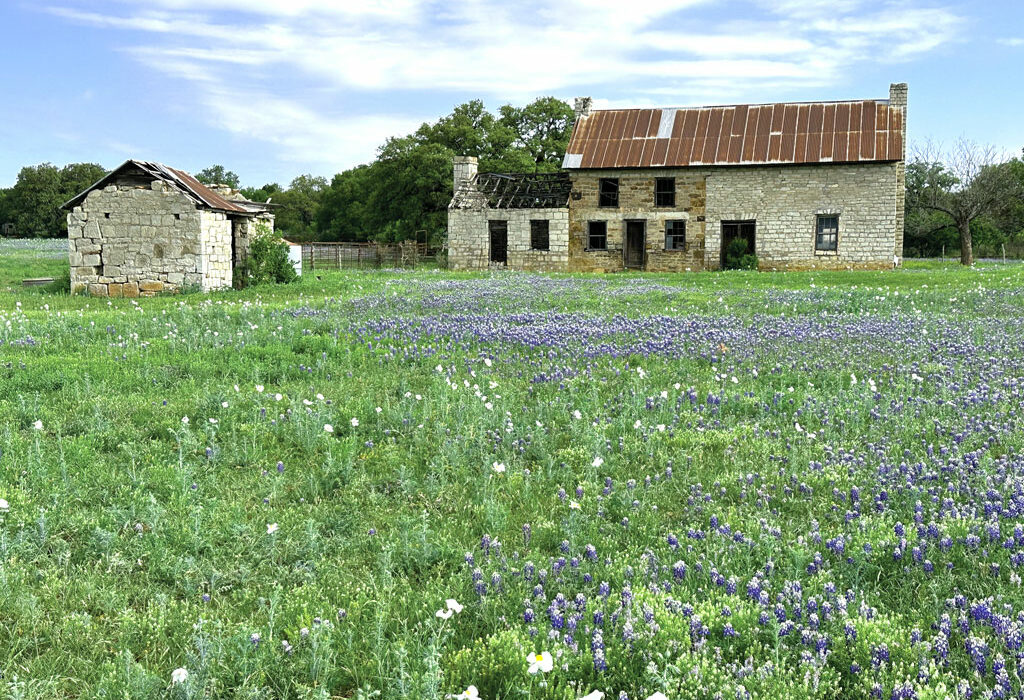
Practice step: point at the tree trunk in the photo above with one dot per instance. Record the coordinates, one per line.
(966, 249)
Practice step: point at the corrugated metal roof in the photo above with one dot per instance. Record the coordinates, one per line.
(179, 179)
(806, 132)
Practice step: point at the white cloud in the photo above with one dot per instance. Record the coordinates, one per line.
(236, 52)
(1011, 41)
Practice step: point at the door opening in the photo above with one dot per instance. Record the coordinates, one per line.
(499, 241)
(739, 245)
(633, 250)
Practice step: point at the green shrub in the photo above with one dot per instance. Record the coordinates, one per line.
(267, 261)
(60, 285)
(737, 257)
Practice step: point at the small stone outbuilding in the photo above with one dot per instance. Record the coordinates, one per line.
(799, 185)
(146, 228)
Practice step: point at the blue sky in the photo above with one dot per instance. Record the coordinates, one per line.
(275, 88)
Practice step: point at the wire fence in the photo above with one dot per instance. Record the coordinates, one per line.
(338, 256)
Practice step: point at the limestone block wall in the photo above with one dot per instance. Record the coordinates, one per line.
(126, 240)
(636, 202)
(215, 246)
(785, 202)
(469, 238)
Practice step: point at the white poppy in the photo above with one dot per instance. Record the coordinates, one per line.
(328, 428)
(470, 693)
(271, 528)
(540, 662)
(38, 425)
(355, 422)
(444, 614)
(596, 695)
(498, 468)
(179, 676)
(657, 696)
(598, 461)
(259, 388)
(184, 420)
(453, 605)
(4, 505)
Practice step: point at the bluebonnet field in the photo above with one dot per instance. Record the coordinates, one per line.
(387, 484)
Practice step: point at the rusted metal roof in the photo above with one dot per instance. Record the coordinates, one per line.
(196, 191)
(806, 132)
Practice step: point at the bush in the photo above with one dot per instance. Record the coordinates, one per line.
(60, 284)
(737, 257)
(267, 261)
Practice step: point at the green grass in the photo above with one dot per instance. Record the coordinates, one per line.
(122, 517)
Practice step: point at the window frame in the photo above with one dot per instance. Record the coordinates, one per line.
(670, 226)
(590, 234)
(534, 233)
(820, 231)
(668, 194)
(608, 199)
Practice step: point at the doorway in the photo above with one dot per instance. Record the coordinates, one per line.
(499, 242)
(633, 250)
(739, 245)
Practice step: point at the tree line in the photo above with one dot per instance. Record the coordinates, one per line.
(966, 199)
(402, 195)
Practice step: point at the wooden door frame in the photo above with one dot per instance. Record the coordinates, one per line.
(625, 243)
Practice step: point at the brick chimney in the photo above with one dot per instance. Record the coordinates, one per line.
(583, 106)
(464, 169)
(898, 100)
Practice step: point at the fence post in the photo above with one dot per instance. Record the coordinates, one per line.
(1003, 246)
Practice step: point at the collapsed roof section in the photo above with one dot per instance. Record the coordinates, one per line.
(518, 190)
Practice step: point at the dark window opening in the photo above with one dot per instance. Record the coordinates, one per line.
(665, 192)
(597, 235)
(827, 236)
(106, 215)
(177, 216)
(608, 192)
(675, 235)
(499, 241)
(539, 239)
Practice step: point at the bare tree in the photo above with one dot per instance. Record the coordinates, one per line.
(965, 183)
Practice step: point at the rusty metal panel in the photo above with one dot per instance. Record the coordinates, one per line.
(761, 135)
(881, 117)
(800, 154)
(853, 144)
(867, 131)
(660, 155)
(778, 111)
(656, 116)
(631, 155)
(828, 131)
(881, 147)
(842, 118)
(710, 151)
(839, 147)
(747, 154)
(774, 148)
(725, 136)
(643, 123)
(647, 156)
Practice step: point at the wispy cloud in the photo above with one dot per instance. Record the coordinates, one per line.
(229, 49)
(1011, 41)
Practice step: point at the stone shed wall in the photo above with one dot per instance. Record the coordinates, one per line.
(785, 202)
(636, 202)
(215, 239)
(132, 241)
(469, 238)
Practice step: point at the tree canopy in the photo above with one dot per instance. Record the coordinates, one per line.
(218, 175)
(33, 203)
(969, 190)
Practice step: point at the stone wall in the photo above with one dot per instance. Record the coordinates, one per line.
(134, 241)
(785, 202)
(469, 238)
(215, 241)
(636, 202)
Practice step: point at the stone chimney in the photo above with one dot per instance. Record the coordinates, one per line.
(464, 168)
(583, 106)
(898, 100)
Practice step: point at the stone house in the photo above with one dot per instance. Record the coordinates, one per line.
(800, 185)
(146, 228)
